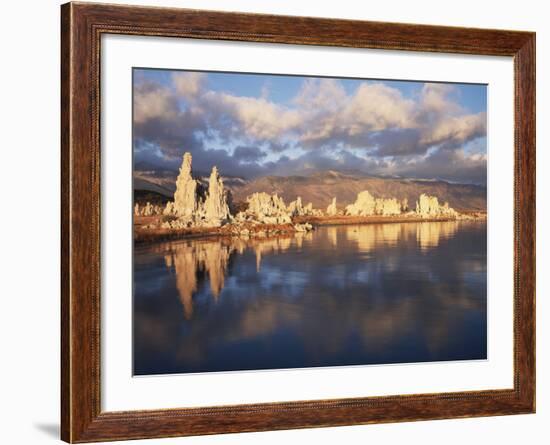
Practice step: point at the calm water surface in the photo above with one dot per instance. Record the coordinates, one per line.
(341, 295)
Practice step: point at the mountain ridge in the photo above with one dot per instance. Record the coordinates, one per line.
(320, 187)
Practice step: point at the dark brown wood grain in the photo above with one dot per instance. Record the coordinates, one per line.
(81, 28)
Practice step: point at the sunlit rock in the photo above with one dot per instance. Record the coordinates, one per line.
(190, 207)
(310, 211)
(305, 227)
(428, 207)
(364, 205)
(296, 208)
(169, 209)
(387, 207)
(178, 223)
(331, 209)
(267, 209)
(186, 201)
(216, 209)
(147, 210)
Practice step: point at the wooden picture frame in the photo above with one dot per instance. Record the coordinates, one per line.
(82, 25)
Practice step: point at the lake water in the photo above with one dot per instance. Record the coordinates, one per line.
(340, 295)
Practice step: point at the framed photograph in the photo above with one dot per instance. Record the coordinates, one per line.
(275, 222)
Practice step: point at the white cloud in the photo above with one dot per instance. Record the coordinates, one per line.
(188, 84)
(435, 97)
(255, 117)
(152, 101)
(379, 107)
(321, 95)
(456, 130)
(394, 134)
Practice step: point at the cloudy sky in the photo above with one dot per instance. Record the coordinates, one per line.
(251, 125)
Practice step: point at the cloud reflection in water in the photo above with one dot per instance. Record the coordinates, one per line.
(381, 293)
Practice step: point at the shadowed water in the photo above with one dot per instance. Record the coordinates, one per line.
(341, 295)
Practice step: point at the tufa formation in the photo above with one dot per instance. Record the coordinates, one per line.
(429, 207)
(331, 209)
(190, 208)
(194, 206)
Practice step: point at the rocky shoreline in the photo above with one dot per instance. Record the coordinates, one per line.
(348, 220)
(147, 234)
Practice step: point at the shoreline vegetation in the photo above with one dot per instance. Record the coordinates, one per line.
(196, 212)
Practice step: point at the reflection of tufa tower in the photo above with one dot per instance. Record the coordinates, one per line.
(185, 198)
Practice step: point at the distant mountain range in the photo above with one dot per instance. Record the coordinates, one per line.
(319, 188)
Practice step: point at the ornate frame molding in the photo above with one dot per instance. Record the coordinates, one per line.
(82, 25)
